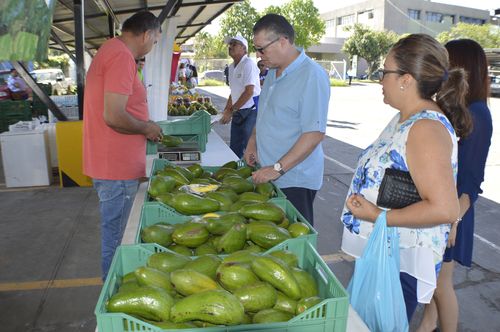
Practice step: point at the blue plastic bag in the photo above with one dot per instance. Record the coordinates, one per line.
(375, 289)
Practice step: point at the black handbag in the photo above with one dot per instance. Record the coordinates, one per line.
(397, 190)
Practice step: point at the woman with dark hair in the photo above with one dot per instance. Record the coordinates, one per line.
(421, 139)
(472, 154)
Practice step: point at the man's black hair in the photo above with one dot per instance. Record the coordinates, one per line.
(141, 22)
(275, 24)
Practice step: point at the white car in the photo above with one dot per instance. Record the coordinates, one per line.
(54, 76)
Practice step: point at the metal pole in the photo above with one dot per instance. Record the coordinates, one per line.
(78, 8)
(38, 91)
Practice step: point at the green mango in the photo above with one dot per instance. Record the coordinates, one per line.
(148, 302)
(230, 164)
(288, 257)
(286, 304)
(213, 306)
(196, 170)
(233, 240)
(171, 141)
(233, 276)
(184, 171)
(206, 248)
(233, 217)
(229, 192)
(224, 200)
(161, 185)
(263, 211)
(257, 296)
(299, 228)
(190, 234)
(251, 196)
(128, 286)
(266, 189)
(217, 227)
(129, 277)
(267, 236)
(271, 316)
(238, 184)
(188, 282)
(160, 234)
(237, 206)
(167, 261)
(190, 204)
(245, 171)
(222, 172)
(308, 285)
(147, 276)
(278, 274)
(180, 249)
(165, 198)
(240, 256)
(307, 303)
(175, 174)
(205, 264)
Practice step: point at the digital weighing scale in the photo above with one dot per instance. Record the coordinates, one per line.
(186, 153)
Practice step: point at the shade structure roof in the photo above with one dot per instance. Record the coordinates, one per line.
(102, 16)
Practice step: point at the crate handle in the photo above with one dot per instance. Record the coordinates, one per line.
(321, 273)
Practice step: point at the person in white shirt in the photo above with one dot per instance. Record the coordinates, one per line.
(245, 85)
(17, 86)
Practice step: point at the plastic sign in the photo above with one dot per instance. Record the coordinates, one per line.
(25, 29)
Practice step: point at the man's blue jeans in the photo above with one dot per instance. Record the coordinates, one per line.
(115, 202)
(241, 129)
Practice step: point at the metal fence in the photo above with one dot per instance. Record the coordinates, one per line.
(335, 69)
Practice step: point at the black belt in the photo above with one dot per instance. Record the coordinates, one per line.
(248, 108)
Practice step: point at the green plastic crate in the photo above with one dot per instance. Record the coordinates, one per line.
(328, 316)
(159, 164)
(155, 212)
(197, 126)
(13, 111)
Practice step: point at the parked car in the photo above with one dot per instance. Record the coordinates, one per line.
(495, 85)
(4, 89)
(60, 84)
(217, 75)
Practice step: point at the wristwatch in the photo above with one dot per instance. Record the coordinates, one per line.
(278, 168)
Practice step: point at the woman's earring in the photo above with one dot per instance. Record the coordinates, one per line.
(402, 88)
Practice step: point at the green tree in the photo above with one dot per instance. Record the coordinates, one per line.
(208, 46)
(239, 20)
(487, 35)
(304, 17)
(369, 44)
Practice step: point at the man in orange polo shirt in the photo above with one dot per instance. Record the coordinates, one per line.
(116, 126)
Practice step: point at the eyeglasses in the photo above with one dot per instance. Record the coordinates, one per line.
(382, 72)
(261, 49)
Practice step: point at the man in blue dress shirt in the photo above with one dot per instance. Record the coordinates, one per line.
(291, 121)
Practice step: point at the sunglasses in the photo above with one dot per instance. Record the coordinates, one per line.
(382, 72)
(261, 49)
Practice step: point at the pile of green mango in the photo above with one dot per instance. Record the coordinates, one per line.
(234, 184)
(256, 227)
(174, 291)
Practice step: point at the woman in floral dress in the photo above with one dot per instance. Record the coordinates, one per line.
(421, 139)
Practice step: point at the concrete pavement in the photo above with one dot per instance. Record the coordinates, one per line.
(356, 117)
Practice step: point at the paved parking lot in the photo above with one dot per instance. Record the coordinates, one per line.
(356, 117)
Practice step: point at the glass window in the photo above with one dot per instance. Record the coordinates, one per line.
(414, 14)
(346, 20)
(434, 17)
(330, 23)
(471, 20)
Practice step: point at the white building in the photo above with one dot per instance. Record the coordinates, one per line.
(400, 16)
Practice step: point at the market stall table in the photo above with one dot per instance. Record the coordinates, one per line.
(216, 154)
